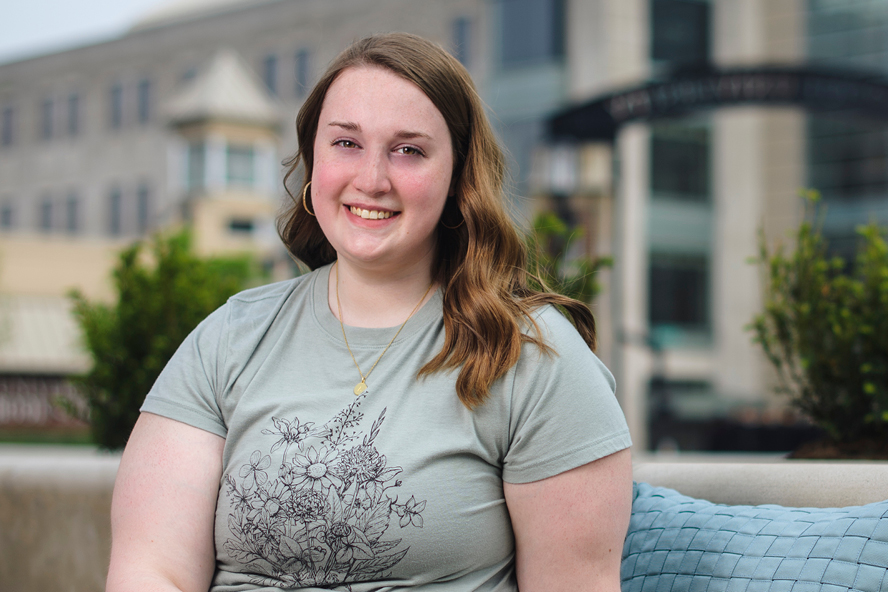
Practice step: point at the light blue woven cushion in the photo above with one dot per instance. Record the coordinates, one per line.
(681, 544)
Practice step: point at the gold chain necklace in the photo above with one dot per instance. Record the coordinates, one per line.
(362, 386)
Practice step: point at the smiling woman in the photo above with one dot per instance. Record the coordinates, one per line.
(410, 415)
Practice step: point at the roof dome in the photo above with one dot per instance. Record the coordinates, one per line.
(226, 90)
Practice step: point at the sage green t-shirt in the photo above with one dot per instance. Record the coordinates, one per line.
(398, 488)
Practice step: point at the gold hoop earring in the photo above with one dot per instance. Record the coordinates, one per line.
(463, 221)
(305, 205)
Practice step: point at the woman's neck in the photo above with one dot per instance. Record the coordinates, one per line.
(371, 300)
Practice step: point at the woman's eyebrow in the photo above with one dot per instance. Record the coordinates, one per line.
(346, 125)
(409, 135)
(403, 134)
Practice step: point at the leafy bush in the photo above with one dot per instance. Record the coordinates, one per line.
(130, 342)
(548, 244)
(825, 328)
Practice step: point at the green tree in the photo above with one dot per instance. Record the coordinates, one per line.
(548, 244)
(161, 296)
(825, 328)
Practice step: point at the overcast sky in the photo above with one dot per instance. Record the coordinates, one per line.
(33, 27)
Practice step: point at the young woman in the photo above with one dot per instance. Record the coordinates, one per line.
(410, 414)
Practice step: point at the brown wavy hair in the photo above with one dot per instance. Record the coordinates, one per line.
(481, 260)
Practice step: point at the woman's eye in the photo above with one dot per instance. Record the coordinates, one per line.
(409, 150)
(345, 143)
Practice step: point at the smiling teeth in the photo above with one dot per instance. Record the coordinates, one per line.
(370, 214)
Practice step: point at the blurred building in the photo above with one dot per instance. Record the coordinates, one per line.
(186, 119)
(713, 115)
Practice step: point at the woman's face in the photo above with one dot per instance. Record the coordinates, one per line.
(383, 161)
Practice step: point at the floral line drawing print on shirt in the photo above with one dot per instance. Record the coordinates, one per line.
(322, 520)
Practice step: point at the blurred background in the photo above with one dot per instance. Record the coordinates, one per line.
(665, 133)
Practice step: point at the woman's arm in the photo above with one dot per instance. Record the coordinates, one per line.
(163, 508)
(570, 528)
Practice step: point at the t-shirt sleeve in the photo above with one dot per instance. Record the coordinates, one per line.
(564, 413)
(188, 388)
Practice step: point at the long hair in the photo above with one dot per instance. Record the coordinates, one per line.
(481, 260)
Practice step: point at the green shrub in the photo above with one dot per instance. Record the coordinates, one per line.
(160, 299)
(548, 244)
(825, 328)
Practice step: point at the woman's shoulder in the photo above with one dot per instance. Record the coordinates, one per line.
(260, 305)
(266, 292)
(236, 327)
(566, 350)
(267, 295)
(554, 327)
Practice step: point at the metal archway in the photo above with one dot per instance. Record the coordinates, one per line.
(812, 88)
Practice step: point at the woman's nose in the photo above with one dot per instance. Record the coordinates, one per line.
(372, 178)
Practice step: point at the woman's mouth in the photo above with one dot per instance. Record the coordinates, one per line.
(371, 214)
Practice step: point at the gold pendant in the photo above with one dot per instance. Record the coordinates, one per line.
(360, 387)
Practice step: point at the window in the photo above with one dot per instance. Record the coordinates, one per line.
(73, 114)
(47, 111)
(680, 31)
(846, 34)
(303, 71)
(269, 73)
(71, 213)
(115, 212)
(532, 31)
(240, 166)
(679, 293)
(462, 40)
(196, 165)
(116, 112)
(847, 157)
(240, 226)
(6, 126)
(7, 216)
(46, 214)
(144, 100)
(143, 207)
(680, 162)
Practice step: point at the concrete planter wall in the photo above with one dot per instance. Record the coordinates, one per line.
(55, 526)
